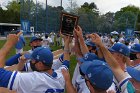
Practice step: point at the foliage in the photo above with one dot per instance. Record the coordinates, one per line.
(12, 15)
(89, 17)
(126, 18)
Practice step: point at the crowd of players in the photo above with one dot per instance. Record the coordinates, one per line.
(104, 65)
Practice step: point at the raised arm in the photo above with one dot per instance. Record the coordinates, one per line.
(66, 48)
(77, 47)
(11, 41)
(69, 86)
(118, 72)
(21, 64)
(83, 46)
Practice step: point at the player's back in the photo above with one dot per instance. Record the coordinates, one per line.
(39, 82)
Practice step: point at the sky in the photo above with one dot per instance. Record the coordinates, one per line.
(103, 5)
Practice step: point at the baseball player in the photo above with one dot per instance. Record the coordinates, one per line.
(121, 53)
(43, 79)
(34, 43)
(20, 44)
(124, 83)
(135, 54)
(25, 63)
(97, 74)
(78, 80)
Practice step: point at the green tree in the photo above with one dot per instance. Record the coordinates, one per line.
(126, 18)
(88, 16)
(105, 22)
(12, 14)
(13, 6)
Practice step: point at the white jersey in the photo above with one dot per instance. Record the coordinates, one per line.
(52, 37)
(121, 40)
(136, 41)
(79, 82)
(126, 86)
(56, 64)
(37, 82)
(115, 84)
(46, 42)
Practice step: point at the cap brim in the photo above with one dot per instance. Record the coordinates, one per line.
(36, 39)
(81, 60)
(111, 50)
(134, 51)
(134, 73)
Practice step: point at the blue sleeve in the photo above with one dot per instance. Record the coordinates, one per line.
(23, 40)
(66, 63)
(4, 77)
(13, 60)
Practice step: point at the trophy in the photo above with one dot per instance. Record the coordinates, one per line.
(68, 23)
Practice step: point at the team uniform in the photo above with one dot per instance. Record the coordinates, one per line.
(15, 59)
(116, 85)
(34, 82)
(46, 42)
(126, 86)
(20, 44)
(79, 82)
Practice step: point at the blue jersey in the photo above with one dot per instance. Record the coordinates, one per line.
(21, 43)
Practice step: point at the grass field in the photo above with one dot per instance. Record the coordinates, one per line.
(27, 47)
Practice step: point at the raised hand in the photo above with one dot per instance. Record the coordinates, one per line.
(11, 41)
(95, 39)
(67, 40)
(13, 38)
(78, 31)
(69, 86)
(66, 75)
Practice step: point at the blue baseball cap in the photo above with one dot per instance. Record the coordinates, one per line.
(88, 57)
(134, 73)
(137, 67)
(43, 54)
(98, 73)
(35, 38)
(135, 48)
(120, 48)
(27, 55)
(89, 43)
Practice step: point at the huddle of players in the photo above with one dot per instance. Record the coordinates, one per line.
(98, 69)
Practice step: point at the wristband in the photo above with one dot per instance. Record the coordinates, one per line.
(67, 50)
